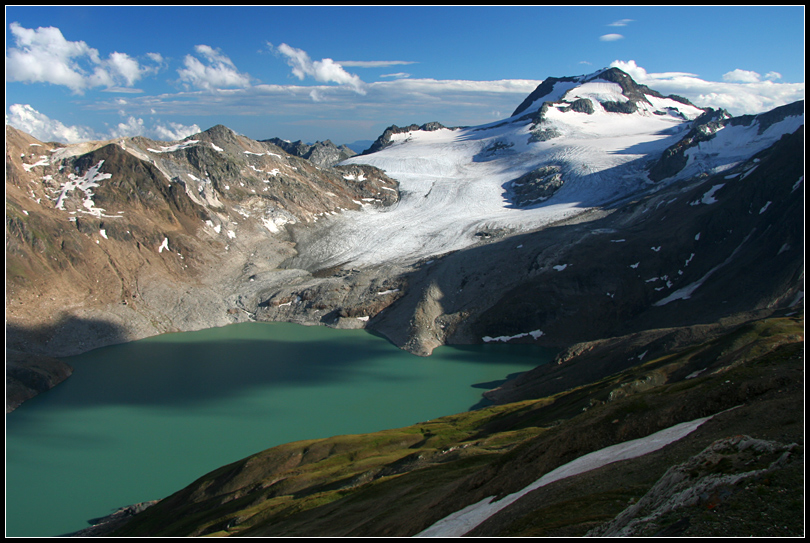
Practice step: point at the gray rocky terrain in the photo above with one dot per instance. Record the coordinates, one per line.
(320, 153)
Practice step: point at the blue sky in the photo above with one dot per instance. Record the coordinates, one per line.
(346, 73)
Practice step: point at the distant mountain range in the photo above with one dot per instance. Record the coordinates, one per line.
(648, 239)
(320, 153)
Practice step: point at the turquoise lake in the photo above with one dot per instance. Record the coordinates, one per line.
(141, 420)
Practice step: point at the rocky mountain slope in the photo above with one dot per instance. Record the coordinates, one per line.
(659, 245)
(112, 241)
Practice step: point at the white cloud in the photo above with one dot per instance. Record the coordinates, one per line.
(123, 90)
(438, 87)
(135, 126)
(398, 75)
(773, 75)
(611, 37)
(42, 127)
(43, 55)
(621, 22)
(125, 66)
(743, 76)
(31, 121)
(132, 127)
(217, 72)
(738, 96)
(340, 112)
(324, 71)
(173, 131)
(374, 63)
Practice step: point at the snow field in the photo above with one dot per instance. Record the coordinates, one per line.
(452, 182)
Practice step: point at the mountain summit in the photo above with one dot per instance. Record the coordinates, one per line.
(627, 100)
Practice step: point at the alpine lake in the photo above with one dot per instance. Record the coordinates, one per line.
(139, 421)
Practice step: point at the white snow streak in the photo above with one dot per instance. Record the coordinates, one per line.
(461, 522)
(43, 161)
(172, 148)
(86, 183)
(534, 333)
(708, 198)
(686, 292)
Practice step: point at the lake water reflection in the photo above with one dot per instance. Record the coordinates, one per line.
(139, 421)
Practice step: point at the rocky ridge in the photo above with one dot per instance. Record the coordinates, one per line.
(385, 138)
(705, 129)
(321, 153)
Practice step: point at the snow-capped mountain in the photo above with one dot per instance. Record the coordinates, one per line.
(453, 243)
(573, 145)
(658, 245)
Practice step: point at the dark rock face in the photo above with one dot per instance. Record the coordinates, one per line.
(707, 125)
(28, 375)
(543, 89)
(582, 106)
(620, 107)
(635, 92)
(715, 470)
(630, 88)
(104, 525)
(326, 154)
(543, 134)
(534, 187)
(674, 158)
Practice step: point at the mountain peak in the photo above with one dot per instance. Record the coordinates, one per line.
(627, 100)
(543, 89)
